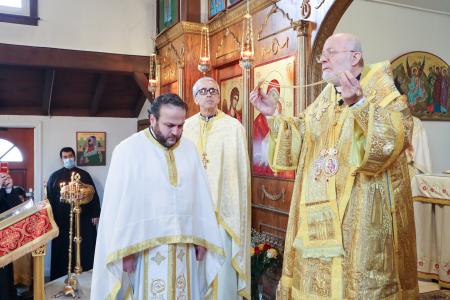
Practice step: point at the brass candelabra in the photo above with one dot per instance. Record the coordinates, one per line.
(75, 193)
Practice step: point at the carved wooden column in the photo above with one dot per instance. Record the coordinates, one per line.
(246, 106)
(158, 78)
(38, 272)
(180, 76)
(301, 27)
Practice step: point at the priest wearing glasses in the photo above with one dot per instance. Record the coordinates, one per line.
(222, 146)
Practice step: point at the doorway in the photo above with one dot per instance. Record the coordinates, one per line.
(17, 148)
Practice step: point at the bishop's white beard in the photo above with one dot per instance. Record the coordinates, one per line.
(331, 77)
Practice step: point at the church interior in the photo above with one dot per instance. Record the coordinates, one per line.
(78, 73)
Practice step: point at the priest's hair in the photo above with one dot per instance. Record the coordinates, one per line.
(198, 84)
(165, 99)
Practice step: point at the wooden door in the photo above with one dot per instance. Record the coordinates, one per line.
(22, 172)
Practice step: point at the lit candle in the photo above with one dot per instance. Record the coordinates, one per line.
(204, 59)
(247, 54)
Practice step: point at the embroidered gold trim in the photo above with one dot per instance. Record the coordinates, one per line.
(170, 158)
(171, 267)
(112, 295)
(188, 270)
(36, 243)
(396, 120)
(146, 270)
(158, 258)
(442, 283)
(205, 128)
(119, 254)
(431, 200)
(158, 286)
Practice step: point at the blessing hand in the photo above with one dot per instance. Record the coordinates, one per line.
(351, 90)
(265, 104)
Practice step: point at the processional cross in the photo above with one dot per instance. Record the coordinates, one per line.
(205, 160)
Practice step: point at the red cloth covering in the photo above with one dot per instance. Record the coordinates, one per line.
(27, 234)
(3, 167)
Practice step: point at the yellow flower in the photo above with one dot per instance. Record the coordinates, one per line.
(272, 253)
(261, 247)
(252, 251)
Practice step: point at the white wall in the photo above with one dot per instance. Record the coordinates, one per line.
(112, 26)
(58, 132)
(53, 133)
(386, 32)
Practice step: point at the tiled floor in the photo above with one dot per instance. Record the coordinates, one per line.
(427, 286)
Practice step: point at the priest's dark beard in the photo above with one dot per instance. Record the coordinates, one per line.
(161, 138)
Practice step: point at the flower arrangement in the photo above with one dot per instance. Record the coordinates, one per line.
(263, 257)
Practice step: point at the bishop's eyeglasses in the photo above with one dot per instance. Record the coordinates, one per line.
(204, 91)
(330, 53)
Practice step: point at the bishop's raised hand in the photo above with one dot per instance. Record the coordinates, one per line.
(351, 90)
(262, 102)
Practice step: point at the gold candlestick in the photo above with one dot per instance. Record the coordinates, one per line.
(77, 211)
(71, 286)
(75, 193)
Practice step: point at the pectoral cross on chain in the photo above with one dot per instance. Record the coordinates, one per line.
(205, 160)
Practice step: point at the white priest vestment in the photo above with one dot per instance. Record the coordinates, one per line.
(222, 146)
(156, 205)
(418, 154)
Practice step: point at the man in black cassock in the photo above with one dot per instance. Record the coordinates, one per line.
(8, 199)
(88, 219)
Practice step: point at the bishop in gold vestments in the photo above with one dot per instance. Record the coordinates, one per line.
(351, 229)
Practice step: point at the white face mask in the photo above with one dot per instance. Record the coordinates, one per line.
(69, 163)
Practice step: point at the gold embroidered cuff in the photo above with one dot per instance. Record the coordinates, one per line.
(285, 143)
(385, 136)
(286, 281)
(361, 115)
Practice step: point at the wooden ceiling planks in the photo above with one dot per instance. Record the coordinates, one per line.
(48, 81)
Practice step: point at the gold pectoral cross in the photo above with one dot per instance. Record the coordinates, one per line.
(205, 160)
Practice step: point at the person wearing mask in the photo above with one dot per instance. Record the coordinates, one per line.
(88, 220)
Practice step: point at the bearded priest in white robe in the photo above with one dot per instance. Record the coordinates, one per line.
(158, 236)
(222, 146)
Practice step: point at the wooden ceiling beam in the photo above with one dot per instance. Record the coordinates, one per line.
(142, 82)
(72, 59)
(47, 91)
(98, 95)
(139, 104)
(21, 110)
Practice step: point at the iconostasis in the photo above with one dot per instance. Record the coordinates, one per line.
(285, 35)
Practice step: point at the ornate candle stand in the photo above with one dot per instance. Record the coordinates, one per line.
(75, 193)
